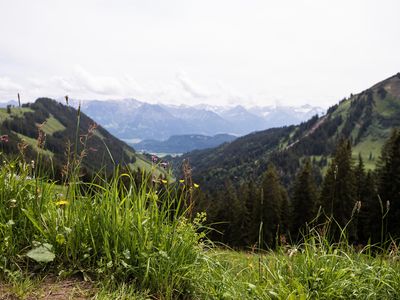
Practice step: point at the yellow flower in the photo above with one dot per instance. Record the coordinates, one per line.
(182, 180)
(62, 202)
(164, 181)
(196, 185)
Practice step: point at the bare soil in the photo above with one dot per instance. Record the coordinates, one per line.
(50, 288)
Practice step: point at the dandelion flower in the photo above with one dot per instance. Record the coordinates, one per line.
(164, 181)
(62, 202)
(196, 185)
(182, 180)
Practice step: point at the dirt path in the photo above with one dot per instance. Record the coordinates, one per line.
(48, 289)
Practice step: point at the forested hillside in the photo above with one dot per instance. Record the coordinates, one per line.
(282, 177)
(56, 131)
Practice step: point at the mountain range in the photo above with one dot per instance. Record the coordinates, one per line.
(133, 120)
(154, 124)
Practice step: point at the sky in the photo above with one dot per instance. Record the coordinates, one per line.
(225, 52)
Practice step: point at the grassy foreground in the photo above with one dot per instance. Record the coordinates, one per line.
(120, 239)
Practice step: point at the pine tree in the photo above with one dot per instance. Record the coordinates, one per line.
(234, 210)
(370, 216)
(272, 194)
(250, 197)
(304, 200)
(338, 193)
(389, 182)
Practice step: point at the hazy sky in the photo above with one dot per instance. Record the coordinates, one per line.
(217, 52)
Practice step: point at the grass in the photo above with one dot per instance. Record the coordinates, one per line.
(16, 112)
(121, 239)
(33, 143)
(141, 163)
(52, 125)
(112, 229)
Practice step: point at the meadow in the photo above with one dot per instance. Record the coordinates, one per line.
(124, 238)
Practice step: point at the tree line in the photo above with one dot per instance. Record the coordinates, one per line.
(366, 204)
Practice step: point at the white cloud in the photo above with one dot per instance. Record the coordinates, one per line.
(103, 85)
(9, 88)
(190, 87)
(294, 50)
(7, 85)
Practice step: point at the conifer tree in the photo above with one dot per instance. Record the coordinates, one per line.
(338, 193)
(361, 220)
(369, 217)
(234, 212)
(272, 193)
(304, 200)
(389, 182)
(250, 198)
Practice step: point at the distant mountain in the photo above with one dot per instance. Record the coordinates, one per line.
(279, 115)
(183, 143)
(131, 119)
(60, 126)
(11, 102)
(366, 119)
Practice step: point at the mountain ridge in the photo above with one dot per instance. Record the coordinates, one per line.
(58, 123)
(126, 120)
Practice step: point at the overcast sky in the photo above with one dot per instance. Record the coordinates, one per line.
(217, 52)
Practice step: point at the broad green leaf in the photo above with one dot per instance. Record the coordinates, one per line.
(42, 253)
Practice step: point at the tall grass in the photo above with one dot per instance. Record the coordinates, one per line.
(116, 229)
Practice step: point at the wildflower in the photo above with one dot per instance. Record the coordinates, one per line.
(164, 181)
(4, 138)
(154, 158)
(164, 165)
(13, 203)
(292, 252)
(62, 202)
(41, 135)
(181, 180)
(196, 185)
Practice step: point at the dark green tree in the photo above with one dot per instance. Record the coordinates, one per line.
(272, 201)
(389, 182)
(370, 215)
(338, 195)
(304, 199)
(231, 214)
(249, 194)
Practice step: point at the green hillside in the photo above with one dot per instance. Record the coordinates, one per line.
(58, 124)
(366, 118)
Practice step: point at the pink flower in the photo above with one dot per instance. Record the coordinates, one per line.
(4, 138)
